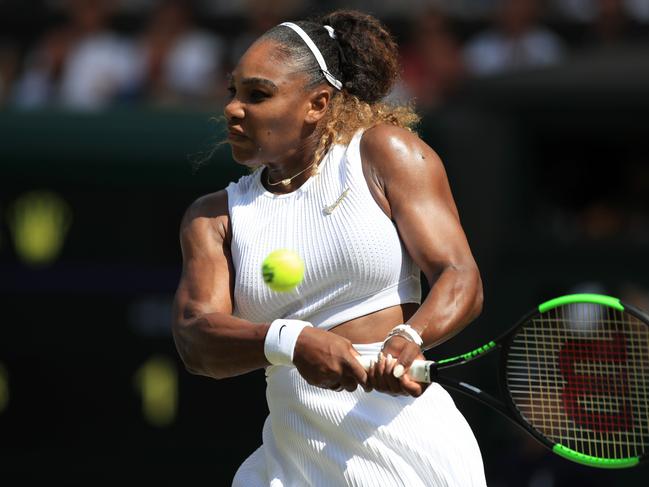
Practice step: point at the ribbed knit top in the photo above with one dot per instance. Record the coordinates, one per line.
(355, 263)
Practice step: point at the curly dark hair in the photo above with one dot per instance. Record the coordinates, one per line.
(363, 56)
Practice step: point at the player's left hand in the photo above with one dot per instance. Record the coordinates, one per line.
(397, 352)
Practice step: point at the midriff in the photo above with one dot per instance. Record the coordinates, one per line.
(375, 326)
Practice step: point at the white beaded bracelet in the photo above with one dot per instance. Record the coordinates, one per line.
(407, 332)
(280, 341)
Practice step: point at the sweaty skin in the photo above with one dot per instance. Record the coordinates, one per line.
(273, 120)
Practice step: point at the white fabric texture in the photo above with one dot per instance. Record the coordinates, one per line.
(321, 438)
(355, 263)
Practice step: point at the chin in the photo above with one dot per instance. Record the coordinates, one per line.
(244, 157)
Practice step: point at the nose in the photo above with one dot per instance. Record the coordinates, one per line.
(234, 109)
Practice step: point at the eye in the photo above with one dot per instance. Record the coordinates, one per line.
(258, 95)
(232, 91)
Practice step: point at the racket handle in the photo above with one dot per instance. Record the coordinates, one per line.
(420, 370)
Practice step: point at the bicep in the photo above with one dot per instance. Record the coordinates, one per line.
(207, 279)
(428, 222)
(422, 206)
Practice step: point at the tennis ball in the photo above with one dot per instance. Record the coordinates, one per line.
(283, 270)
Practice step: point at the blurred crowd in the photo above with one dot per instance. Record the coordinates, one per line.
(90, 54)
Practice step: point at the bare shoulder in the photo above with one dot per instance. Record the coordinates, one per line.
(402, 165)
(206, 217)
(388, 149)
(207, 280)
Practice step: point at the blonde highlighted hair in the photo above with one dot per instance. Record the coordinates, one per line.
(348, 114)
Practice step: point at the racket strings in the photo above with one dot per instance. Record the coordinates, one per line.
(579, 375)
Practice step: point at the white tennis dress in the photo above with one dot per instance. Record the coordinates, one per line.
(355, 264)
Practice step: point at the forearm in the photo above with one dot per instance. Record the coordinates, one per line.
(219, 345)
(454, 300)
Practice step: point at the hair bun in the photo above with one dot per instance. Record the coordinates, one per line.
(371, 65)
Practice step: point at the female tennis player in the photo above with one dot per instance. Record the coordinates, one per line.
(340, 179)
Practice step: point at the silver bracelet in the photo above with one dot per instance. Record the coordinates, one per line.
(405, 331)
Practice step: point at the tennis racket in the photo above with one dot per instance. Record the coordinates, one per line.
(574, 373)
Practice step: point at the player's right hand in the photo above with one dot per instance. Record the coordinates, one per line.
(328, 360)
(397, 350)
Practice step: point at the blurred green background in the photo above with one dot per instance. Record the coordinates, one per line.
(549, 165)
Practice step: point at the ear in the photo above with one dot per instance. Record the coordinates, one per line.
(318, 105)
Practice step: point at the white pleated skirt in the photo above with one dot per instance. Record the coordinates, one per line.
(316, 437)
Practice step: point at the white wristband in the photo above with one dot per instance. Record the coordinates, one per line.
(406, 331)
(281, 339)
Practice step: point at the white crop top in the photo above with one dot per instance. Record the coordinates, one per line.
(355, 263)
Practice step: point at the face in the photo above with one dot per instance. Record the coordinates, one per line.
(271, 114)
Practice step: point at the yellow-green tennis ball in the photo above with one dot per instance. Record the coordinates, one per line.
(283, 270)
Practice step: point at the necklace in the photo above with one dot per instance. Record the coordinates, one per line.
(287, 181)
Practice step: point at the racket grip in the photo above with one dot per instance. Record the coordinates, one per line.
(419, 371)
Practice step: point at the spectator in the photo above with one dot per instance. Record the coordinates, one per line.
(40, 82)
(177, 61)
(586, 10)
(8, 64)
(612, 25)
(432, 62)
(516, 41)
(81, 65)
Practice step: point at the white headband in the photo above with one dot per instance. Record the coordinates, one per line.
(316, 52)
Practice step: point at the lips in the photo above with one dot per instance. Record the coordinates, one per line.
(236, 134)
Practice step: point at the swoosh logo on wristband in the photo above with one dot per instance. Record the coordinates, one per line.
(279, 334)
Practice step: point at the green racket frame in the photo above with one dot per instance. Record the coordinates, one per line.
(508, 407)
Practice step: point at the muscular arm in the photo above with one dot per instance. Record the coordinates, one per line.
(414, 191)
(209, 339)
(214, 343)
